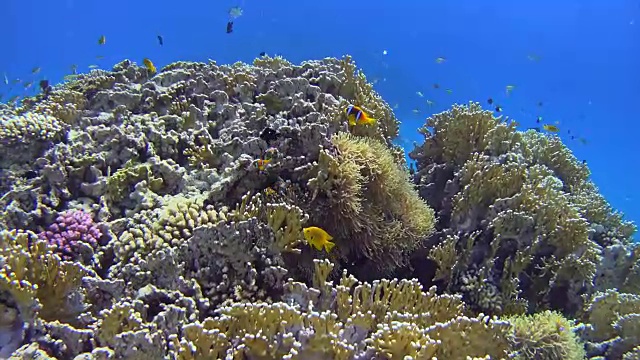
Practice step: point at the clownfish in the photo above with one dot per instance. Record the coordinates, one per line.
(261, 164)
(356, 115)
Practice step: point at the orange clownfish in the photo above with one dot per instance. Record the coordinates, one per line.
(261, 164)
(356, 115)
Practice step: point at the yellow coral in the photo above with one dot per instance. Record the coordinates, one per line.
(545, 335)
(34, 269)
(392, 319)
(365, 199)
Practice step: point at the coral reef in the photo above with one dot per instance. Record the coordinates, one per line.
(515, 231)
(161, 216)
(73, 234)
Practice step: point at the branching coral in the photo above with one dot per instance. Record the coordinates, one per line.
(613, 320)
(515, 193)
(32, 268)
(387, 319)
(367, 201)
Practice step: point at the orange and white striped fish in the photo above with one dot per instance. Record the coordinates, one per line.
(356, 115)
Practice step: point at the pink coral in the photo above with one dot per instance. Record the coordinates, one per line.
(70, 230)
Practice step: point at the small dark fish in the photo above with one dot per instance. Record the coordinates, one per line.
(539, 103)
(412, 169)
(539, 119)
(160, 40)
(498, 108)
(436, 86)
(537, 129)
(263, 53)
(46, 89)
(102, 40)
(490, 101)
(584, 162)
(229, 27)
(269, 135)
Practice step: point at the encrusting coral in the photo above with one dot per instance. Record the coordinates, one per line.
(171, 210)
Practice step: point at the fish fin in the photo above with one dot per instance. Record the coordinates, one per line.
(329, 245)
(316, 244)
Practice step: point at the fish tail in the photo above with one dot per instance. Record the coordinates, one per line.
(329, 245)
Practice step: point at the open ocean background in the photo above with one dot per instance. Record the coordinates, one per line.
(587, 75)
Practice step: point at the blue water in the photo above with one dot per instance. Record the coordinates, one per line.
(587, 77)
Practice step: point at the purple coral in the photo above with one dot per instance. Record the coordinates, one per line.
(70, 230)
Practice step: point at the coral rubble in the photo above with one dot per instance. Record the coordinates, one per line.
(161, 216)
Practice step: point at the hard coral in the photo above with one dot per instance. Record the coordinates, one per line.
(71, 233)
(352, 320)
(364, 198)
(508, 213)
(31, 265)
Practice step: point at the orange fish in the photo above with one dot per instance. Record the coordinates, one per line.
(357, 116)
(261, 164)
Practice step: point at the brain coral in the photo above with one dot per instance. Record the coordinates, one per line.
(202, 177)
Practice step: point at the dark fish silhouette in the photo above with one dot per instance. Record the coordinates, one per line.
(263, 53)
(229, 27)
(498, 108)
(46, 88)
(269, 135)
(490, 101)
(160, 40)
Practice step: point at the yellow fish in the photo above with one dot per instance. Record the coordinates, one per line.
(318, 238)
(356, 115)
(440, 60)
(102, 40)
(550, 128)
(149, 65)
